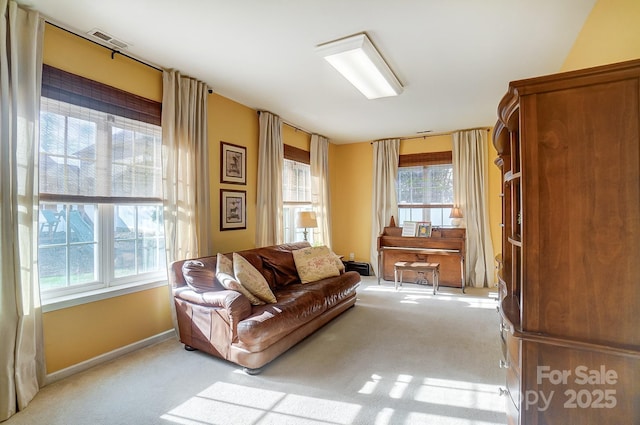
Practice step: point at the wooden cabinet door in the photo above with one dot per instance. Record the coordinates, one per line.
(581, 221)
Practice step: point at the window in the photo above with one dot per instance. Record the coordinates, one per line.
(425, 188)
(296, 195)
(100, 221)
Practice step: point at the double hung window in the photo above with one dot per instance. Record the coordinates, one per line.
(296, 195)
(425, 188)
(100, 212)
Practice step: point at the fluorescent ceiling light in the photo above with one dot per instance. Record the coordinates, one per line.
(357, 59)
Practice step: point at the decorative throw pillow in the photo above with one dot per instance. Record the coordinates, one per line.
(224, 274)
(197, 276)
(251, 279)
(315, 263)
(339, 263)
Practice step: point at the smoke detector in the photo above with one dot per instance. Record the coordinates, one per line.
(106, 38)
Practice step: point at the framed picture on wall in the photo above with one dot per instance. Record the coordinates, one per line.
(233, 209)
(233, 163)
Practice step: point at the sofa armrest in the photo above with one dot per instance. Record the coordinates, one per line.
(237, 305)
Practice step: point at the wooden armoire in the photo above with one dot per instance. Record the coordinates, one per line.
(569, 277)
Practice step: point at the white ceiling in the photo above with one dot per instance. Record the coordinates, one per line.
(454, 57)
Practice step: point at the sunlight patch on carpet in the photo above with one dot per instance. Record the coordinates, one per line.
(465, 396)
(414, 294)
(459, 394)
(231, 403)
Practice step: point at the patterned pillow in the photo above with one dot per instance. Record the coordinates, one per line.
(339, 263)
(251, 279)
(224, 274)
(315, 263)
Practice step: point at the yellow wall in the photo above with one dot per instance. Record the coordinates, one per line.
(73, 335)
(350, 180)
(76, 334)
(610, 34)
(297, 138)
(73, 54)
(234, 123)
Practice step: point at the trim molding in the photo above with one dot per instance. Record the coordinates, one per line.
(118, 352)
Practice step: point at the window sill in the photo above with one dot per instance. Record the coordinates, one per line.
(59, 303)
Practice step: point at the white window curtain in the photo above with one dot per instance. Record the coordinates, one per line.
(269, 222)
(386, 154)
(320, 202)
(185, 173)
(21, 350)
(470, 194)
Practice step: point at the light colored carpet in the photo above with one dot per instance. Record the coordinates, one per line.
(397, 357)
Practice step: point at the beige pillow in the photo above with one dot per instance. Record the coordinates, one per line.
(315, 263)
(224, 274)
(251, 279)
(339, 263)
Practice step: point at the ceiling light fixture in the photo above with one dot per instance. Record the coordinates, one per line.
(357, 59)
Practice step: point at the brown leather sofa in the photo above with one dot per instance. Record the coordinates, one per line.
(223, 323)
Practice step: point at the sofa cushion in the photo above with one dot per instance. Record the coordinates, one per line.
(197, 276)
(251, 279)
(282, 266)
(226, 277)
(315, 263)
(271, 322)
(334, 290)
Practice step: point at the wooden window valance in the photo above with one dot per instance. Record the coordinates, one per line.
(430, 158)
(297, 154)
(70, 88)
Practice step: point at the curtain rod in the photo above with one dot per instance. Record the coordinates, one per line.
(295, 127)
(113, 51)
(424, 136)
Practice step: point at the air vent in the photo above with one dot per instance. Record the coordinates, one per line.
(106, 38)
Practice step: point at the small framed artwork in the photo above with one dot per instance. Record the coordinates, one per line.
(233, 163)
(424, 229)
(233, 209)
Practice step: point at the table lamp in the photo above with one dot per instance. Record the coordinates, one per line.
(307, 220)
(456, 216)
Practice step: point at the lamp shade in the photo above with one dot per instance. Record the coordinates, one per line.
(456, 216)
(455, 213)
(306, 219)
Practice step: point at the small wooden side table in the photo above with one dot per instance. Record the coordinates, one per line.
(418, 267)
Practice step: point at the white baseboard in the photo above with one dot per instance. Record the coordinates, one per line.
(71, 370)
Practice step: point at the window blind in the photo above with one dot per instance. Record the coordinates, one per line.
(98, 144)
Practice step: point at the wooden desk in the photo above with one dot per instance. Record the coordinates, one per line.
(446, 246)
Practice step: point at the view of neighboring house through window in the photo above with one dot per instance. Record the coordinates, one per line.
(296, 196)
(425, 193)
(100, 221)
